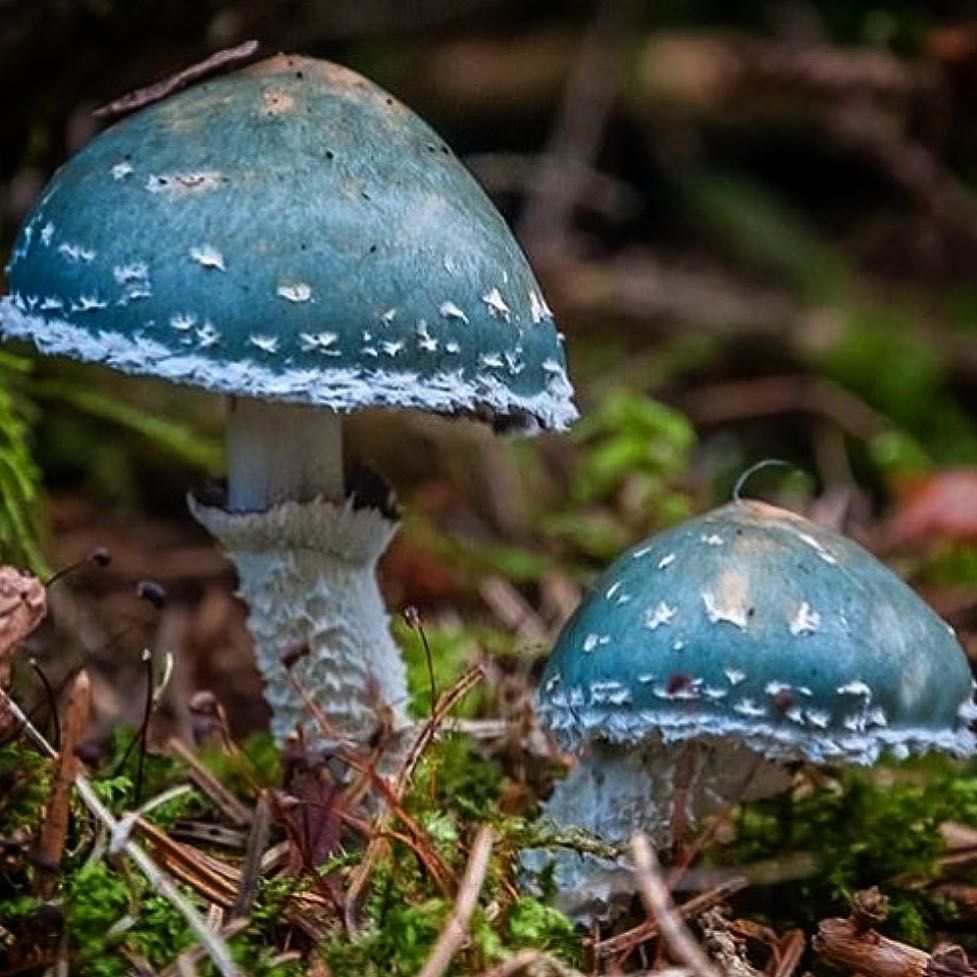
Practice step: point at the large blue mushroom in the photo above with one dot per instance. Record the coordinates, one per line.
(758, 635)
(294, 237)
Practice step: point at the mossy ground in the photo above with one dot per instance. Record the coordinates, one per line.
(806, 853)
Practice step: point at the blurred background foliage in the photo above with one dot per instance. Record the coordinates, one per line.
(755, 221)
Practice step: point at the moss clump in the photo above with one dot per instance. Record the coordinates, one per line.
(878, 827)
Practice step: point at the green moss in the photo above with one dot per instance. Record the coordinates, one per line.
(878, 827)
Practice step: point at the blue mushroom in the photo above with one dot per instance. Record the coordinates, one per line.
(294, 237)
(760, 636)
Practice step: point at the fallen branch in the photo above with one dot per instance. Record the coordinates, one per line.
(847, 943)
(658, 902)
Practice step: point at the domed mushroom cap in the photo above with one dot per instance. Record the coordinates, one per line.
(752, 623)
(289, 231)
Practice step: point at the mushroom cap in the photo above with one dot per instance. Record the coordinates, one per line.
(289, 231)
(751, 623)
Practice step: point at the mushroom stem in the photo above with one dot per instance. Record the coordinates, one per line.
(307, 571)
(616, 790)
(281, 452)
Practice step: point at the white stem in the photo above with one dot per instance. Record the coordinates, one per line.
(307, 572)
(279, 452)
(615, 791)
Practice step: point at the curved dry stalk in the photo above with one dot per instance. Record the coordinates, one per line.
(455, 932)
(215, 947)
(658, 903)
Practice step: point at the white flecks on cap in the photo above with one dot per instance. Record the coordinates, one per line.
(185, 184)
(267, 344)
(392, 347)
(47, 234)
(817, 547)
(492, 361)
(121, 170)
(448, 310)
(748, 708)
(818, 718)
(452, 347)
(612, 590)
(805, 621)
(207, 335)
(640, 552)
(183, 321)
(135, 272)
(496, 305)
(590, 642)
(684, 690)
(876, 717)
(609, 693)
(318, 342)
(734, 676)
(425, 340)
(76, 253)
(295, 292)
(857, 687)
(712, 539)
(666, 561)
(207, 256)
(776, 688)
(655, 617)
(537, 308)
(340, 388)
(727, 612)
(88, 303)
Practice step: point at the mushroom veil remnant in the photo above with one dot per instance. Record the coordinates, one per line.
(760, 636)
(294, 237)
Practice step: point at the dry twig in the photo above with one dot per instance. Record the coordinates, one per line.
(846, 943)
(163, 89)
(658, 903)
(789, 953)
(251, 869)
(208, 784)
(455, 932)
(628, 940)
(54, 830)
(215, 947)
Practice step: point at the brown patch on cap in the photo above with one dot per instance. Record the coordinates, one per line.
(277, 101)
(329, 75)
(757, 511)
(334, 75)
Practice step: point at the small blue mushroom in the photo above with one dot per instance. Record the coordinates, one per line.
(294, 237)
(760, 636)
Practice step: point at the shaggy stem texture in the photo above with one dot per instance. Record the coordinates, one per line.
(307, 572)
(615, 791)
